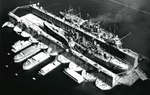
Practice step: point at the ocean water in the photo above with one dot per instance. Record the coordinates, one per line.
(56, 82)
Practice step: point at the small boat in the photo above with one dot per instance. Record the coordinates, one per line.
(74, 75)
(101, 85)
(35, 60)
(63, 59)
(25, 34)
(74, 66)
(17, 29)
(9, 24)
(33, 40)
(23, 55)
(48, 68)
(55, 53)
(85, 39)
(20, 45)
(88, 76)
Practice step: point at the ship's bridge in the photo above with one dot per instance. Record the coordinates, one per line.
(73, 18)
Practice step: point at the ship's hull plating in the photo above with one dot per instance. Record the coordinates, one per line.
(35, 60)
(20, 45)
(48, 68)
(23, 55)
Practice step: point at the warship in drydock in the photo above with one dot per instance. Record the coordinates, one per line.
(97, 55)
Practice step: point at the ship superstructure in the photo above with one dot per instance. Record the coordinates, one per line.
(100, 52)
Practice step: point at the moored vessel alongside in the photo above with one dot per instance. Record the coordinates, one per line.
(102, 85)
(23, 55)
(62, 59)
(9, 24)
(48, 68)
(35, 60)
(18, 28)
(88, 76)
(74, 75)
(20, 45)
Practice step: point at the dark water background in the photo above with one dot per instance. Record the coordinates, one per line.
(56, 82)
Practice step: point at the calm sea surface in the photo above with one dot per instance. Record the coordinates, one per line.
(56, 82)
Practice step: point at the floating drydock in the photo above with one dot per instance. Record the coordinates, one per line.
(100, 52)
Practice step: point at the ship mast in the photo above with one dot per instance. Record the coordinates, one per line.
(125, 36)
